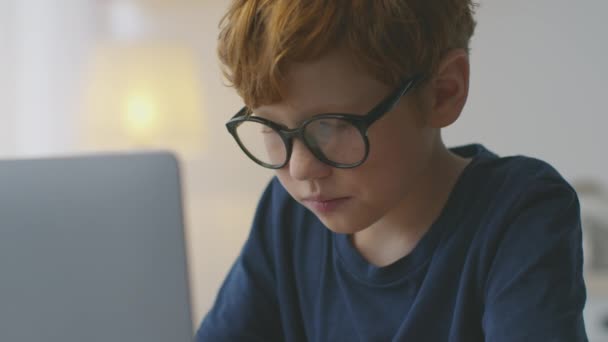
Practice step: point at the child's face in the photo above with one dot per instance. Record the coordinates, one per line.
(401, 145)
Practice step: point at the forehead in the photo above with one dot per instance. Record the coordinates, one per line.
(332, 83)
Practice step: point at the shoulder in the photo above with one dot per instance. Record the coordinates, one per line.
(529, 242)
(502, 201)
(514, 181)
(518, 206)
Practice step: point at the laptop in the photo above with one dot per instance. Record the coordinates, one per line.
(92, 249)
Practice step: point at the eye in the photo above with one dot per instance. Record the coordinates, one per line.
(331, 126)
(327, 124)
(266, 130)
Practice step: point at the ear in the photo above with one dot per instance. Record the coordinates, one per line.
(448, 89)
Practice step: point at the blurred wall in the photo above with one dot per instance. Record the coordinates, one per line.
(7, 78)
(51, 40)
(538, 83)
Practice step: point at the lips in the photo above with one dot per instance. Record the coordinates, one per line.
(322, 204)
(320, 199)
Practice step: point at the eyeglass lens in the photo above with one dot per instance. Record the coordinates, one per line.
(336, 140)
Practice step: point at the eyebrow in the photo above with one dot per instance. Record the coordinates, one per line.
(300, 118)
(318, 111)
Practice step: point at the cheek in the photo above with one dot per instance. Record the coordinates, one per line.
(401, 138)
(391, 144)
(398, 152)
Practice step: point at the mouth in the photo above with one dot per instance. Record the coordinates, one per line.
(324, 205)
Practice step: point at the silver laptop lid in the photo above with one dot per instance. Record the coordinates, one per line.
(92, 249)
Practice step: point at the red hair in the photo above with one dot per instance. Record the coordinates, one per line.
(390, 39)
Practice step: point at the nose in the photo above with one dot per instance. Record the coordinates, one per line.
(303, 165)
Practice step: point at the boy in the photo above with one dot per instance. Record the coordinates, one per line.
(372, 229)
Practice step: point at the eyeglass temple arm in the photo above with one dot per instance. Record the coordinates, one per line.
(390, 102)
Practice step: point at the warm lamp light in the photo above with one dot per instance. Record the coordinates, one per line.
(144, 96)
(141, 117)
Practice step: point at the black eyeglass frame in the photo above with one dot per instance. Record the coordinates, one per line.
(361, 122)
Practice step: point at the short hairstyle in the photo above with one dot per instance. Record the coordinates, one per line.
(390, 39)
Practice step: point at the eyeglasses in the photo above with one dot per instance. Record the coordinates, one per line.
(336, 139)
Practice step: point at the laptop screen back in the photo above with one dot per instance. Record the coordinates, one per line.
(92, 249)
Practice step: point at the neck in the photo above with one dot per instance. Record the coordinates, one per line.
(397, 233)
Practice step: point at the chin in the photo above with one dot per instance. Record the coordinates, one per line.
(342, 226)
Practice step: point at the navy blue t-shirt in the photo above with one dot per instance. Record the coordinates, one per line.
(502, 262)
